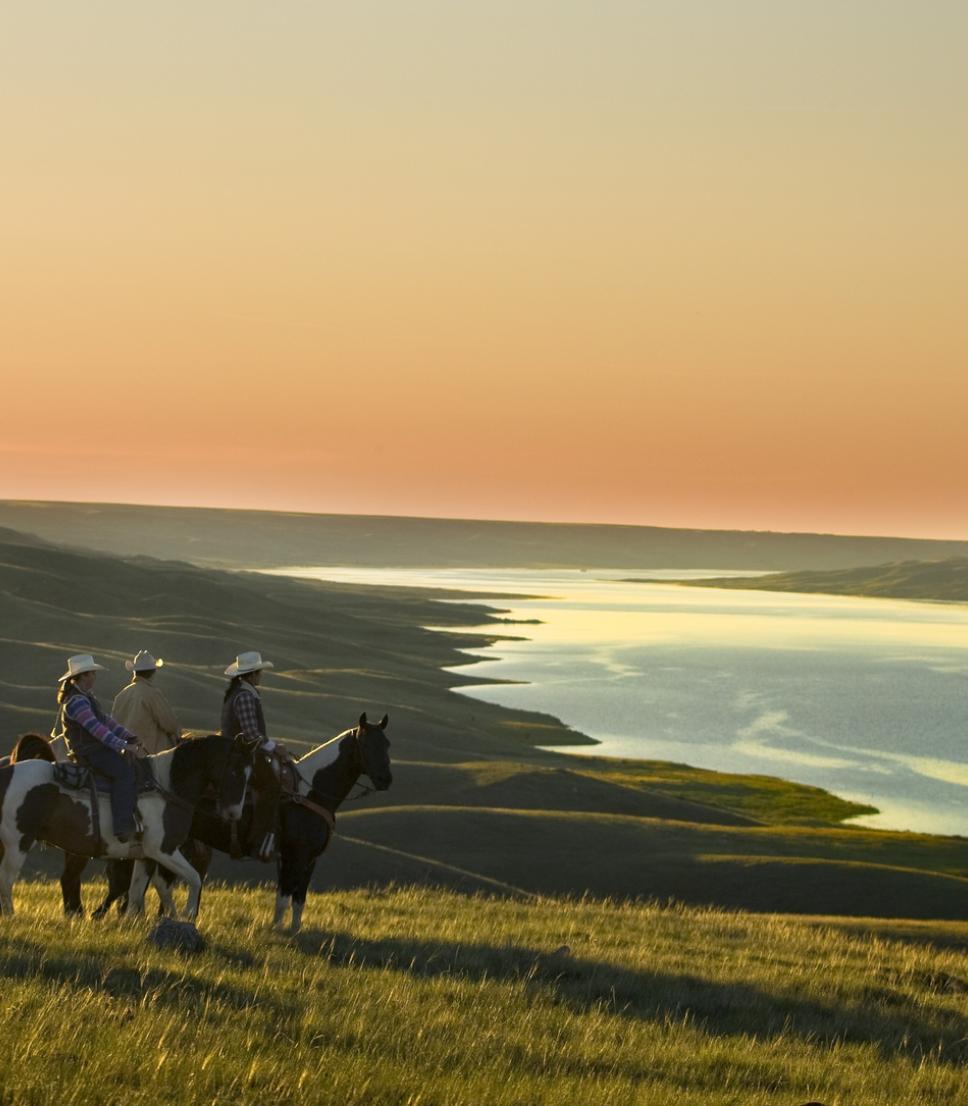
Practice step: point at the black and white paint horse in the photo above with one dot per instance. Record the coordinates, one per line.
(35, 807)
(325, 778)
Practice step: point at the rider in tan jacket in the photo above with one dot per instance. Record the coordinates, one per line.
(142, 708)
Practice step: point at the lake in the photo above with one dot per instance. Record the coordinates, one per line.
(867, 698)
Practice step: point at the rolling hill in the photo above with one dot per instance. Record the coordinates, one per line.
(251, 539)
(475, 803)
(945, 579)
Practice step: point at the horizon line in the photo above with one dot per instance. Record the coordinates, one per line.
(473, 519)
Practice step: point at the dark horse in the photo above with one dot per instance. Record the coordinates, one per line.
(35, 807)
(32, 746)
(324, 777)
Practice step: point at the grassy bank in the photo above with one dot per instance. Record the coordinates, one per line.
(421, 997)
(945, 580)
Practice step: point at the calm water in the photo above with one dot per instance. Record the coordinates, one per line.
(864, 697)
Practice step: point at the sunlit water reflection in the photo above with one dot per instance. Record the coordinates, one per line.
(864, 697)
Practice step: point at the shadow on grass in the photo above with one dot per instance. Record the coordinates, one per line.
(895, 1022)
(23, 959)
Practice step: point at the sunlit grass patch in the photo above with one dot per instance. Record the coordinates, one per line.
(413, 995)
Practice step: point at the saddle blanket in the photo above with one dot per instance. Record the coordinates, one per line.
(77, 777)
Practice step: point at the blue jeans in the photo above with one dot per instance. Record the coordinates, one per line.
(120, 771)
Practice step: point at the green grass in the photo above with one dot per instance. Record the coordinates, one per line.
(409, 996)
(788, 869)
(763, 798)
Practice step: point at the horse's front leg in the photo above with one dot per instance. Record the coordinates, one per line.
(301, 863)
(161, 880)
(136, 890)
(177, 863)
(13, 861)
(70, 881)
(284, 885)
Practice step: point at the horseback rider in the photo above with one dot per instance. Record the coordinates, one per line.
(96, 740)
(142, 708)
(242, 714)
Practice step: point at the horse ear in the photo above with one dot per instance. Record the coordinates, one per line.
(383, 721)
(363, 718)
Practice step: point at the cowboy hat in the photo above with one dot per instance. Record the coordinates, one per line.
(77, 666)
(143, 662)
(247, 662)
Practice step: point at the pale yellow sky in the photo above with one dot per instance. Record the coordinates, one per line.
(685, 263)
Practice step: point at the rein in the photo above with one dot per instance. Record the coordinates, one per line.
(327, 815)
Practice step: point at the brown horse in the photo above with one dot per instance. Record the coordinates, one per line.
(32, 746)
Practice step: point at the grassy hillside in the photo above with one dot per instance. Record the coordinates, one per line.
(420, 997)
(267, 538)
(337, 649)
(944, 579)
(475, 805)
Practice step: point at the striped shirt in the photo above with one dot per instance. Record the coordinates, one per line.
(114, 735)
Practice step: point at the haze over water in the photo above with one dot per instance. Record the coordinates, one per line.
(867, 698)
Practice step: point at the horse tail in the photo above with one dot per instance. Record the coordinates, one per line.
(32, 746)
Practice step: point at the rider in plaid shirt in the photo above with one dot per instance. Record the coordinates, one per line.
(242, 714)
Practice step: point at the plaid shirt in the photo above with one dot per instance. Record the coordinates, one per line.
(247, 715)
(114, 735)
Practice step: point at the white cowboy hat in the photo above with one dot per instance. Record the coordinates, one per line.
(77, 666)
(247, 662)
(143, 662)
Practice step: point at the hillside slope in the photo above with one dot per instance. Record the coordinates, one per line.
(943, 580)
(267, 539)
(474, 802)
(338, 649)
(432, 999)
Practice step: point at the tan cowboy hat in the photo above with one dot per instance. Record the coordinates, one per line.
(77, 666)
(143, 662)
(247, 662)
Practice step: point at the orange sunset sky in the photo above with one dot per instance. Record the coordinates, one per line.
(696, 262)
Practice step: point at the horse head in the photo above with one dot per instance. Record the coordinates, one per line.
(375, 751)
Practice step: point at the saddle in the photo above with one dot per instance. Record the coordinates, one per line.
(78, 777)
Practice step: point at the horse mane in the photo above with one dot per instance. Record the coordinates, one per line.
(32, 746)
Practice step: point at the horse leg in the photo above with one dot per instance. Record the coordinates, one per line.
(301, 890)
(177, 864)
(283, 886)
(12, 862)
(198, 854)
(136, 890)
(162, 880)
(70, 881)
(119, 878)
(296, 863)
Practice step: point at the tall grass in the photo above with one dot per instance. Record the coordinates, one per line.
(411, 996)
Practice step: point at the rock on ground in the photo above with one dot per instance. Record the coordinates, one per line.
(169, 934)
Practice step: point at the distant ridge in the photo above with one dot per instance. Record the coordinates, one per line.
(939, 580)
(232, 538)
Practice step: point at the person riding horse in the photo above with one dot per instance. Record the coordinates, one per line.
(141, 706)
(242, 713)
(96, 740)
